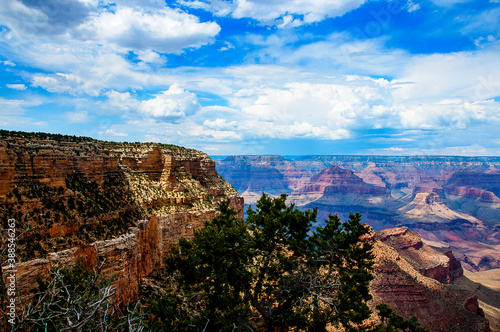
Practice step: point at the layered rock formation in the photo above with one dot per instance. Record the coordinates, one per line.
(75, 197)
(415, 279)
(252, 175)
(130, 257)
(430, 262)
(451, 201)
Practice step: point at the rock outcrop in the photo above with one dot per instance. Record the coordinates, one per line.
(130, 257)
(430, 262)
(334, 185)
(122, 203)
(415, 279)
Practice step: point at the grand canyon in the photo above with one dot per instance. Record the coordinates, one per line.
(451, 202)
(434, 219)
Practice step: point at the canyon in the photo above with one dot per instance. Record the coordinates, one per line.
(451, 201)
(449, 204)
(126, 204)
(416, 279)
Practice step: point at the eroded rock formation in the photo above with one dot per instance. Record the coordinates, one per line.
(437, 264)
(122, 203)
(415, 279)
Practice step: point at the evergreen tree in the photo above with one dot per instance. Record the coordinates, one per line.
(270, 271)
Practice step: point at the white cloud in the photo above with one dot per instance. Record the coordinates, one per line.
(49, 17)
(203, 133)
(149, 56)
(163, 30)
(66, 83)
(219, 124)
(173, 103)
(122, 101)
(471, 75)
(78, 117)
(13, 113)
(279, 12)
(83, 47)
(322, 110)
(227, 46)
(112, 132)
(19, 87)
(395, 149)
(412, 6)
(8, 63)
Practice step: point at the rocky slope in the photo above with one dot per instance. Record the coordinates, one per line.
(415, 279)
(124, 203)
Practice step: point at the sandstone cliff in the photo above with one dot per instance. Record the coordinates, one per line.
(125, 203)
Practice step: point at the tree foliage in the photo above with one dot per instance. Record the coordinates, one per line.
(270, 271)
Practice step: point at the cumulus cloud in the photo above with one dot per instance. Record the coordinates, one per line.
(67, 83)
(173, 103)
(201, 132)
(163, 30)
(332, 106)
(122, 101)
(49, 17)
(112, 132)
(127, 25)
(472, 75)
(84, 46)
(219, 124)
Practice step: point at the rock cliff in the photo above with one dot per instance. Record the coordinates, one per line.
(430, 262)
(122, 203)
(338, 187)
(415, 279)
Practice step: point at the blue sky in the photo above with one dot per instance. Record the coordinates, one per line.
(292, 77)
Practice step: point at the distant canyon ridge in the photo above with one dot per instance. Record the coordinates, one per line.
(451, 201)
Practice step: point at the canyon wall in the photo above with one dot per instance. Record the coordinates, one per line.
(130, 257)
(451, 201)
(416, 279)
(124, 204)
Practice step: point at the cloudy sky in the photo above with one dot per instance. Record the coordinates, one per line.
(287, 77)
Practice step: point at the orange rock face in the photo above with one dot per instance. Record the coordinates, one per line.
(131, 256)
(178, 187)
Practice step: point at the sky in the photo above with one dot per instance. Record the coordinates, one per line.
(289, 77)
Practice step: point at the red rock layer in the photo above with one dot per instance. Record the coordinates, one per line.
(430, 262)
(406, 278)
